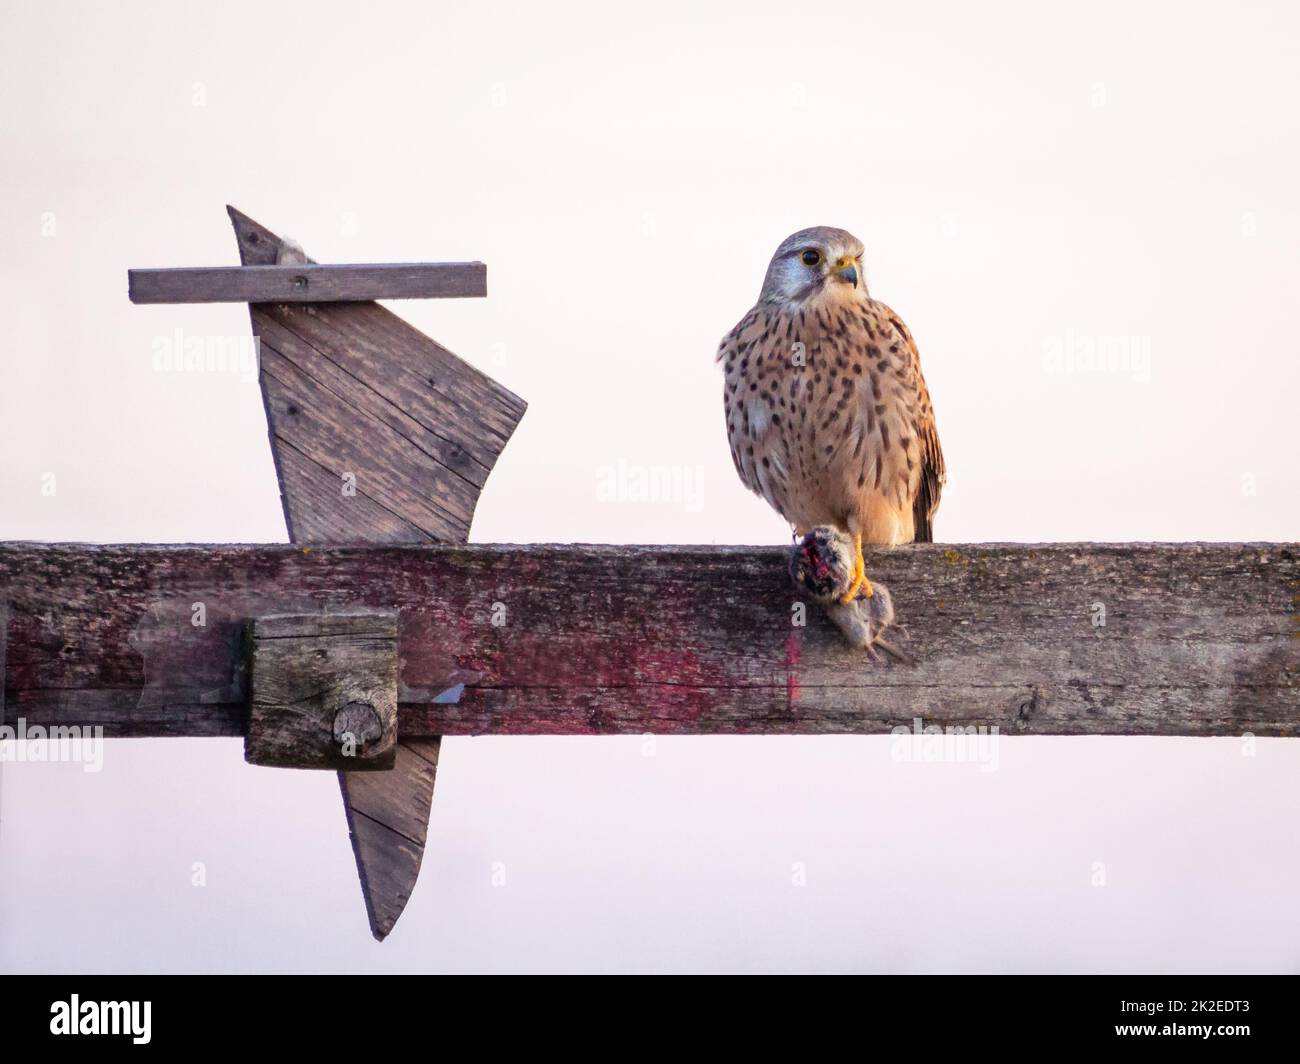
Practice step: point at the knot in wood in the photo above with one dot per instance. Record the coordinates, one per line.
(360, 721)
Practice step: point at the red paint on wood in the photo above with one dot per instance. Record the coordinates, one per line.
(793, 645)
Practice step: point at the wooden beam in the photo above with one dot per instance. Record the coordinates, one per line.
(1055, 639)
(379, 435)
(308, 283)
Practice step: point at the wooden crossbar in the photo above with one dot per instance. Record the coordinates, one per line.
(1060, 639)
(308, 283)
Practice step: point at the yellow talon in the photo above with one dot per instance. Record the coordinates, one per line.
(859, 581)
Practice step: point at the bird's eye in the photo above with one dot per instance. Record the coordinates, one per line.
(811, 257)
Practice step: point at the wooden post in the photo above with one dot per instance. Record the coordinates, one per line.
(379, 435)
(323, 690)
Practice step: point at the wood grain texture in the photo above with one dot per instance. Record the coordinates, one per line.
(1199, 639)
(379, 435)
(308, 282)
(388, 816)
(323, 690)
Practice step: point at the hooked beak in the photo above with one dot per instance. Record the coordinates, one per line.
(846, 270)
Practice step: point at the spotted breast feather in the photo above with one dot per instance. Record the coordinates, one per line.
(829, 419)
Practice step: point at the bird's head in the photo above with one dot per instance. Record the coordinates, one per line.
(813, 265)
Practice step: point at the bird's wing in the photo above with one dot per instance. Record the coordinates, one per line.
(933, 473)
(751, 414)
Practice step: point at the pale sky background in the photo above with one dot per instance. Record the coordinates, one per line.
(1025, 177)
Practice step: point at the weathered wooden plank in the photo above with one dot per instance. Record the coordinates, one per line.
(281, 344)
(323, 690)
(435, 387)
(1198, 639)
(379, 435)
(359, 456)
(405, 809)
(316, 508)
(351, 388)
(388, 817)
(382, 812)
(308, 282)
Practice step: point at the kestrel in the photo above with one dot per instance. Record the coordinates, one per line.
(828, 416)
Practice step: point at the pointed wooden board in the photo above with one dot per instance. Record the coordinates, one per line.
(379, 435)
